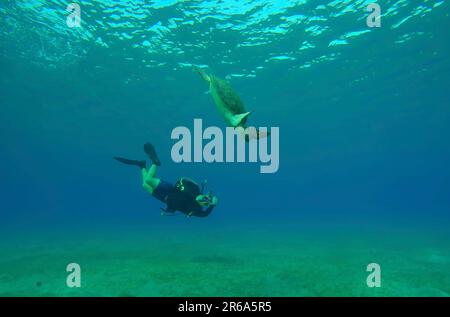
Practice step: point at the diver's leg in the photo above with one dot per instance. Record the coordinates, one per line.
(146, 186)
(144, 174)
(149, 181)
(152, 171)
(151, 184)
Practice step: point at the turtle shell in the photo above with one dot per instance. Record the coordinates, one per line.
(228, 96)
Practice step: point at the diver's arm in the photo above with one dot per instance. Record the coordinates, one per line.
(205, 213)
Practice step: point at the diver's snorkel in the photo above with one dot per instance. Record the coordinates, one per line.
(203, 186)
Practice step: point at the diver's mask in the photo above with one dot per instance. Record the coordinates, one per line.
(204, 200)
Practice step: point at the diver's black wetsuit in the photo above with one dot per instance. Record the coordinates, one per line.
(176, 200)
(186, 204)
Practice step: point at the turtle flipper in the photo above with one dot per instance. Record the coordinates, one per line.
(239, 119)
(202, 73)
(262, 135)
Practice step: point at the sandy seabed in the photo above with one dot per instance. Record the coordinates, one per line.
(234, 260)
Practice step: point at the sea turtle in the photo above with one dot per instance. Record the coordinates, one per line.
(226, 99)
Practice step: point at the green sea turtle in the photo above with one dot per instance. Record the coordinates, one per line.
(226, 99)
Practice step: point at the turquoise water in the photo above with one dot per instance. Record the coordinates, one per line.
(364, 122)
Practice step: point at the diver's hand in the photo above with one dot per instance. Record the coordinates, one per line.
(214, 201)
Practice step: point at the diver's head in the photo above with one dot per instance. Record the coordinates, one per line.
(205, 200)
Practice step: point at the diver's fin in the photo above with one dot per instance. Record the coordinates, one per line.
(239, 119)
(140, 164)
(150, 150)
(202, 73)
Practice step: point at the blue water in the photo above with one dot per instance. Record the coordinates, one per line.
(363, 112)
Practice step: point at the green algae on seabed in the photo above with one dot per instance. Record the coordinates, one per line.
(227, 263)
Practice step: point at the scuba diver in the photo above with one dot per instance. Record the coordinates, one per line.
(185, 196)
